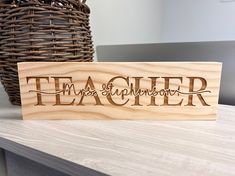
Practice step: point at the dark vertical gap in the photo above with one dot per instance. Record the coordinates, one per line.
(31, 12)
(52, 33)
(73, 36)
(3, 160)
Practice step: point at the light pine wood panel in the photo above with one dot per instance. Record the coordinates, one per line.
(133, 148)
(100, 73)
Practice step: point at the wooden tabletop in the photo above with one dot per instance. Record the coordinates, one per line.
(133, 148)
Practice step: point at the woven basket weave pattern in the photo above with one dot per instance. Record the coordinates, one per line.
(37, 31)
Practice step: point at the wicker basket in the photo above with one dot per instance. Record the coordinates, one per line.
(3, 10)
(42, 30)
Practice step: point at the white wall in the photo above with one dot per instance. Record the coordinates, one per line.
(197, 20)
(153, 21)
(125, 21)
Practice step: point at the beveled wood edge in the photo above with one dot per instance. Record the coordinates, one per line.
(48, 160)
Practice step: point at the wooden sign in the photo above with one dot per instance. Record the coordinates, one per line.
(162, 91)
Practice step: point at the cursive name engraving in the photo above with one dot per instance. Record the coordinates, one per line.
(131, 89)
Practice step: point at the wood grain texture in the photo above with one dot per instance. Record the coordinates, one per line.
(47, 105)
(133, 148)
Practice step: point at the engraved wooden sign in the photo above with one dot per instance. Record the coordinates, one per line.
(156, 90)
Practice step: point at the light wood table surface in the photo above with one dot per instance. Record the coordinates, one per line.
(133, 148)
